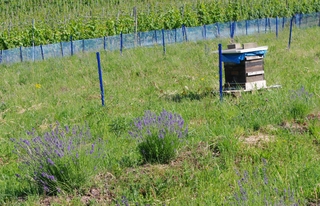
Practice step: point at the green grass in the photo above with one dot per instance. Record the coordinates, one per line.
(205, 170)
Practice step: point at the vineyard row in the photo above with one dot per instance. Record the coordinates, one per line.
(155, 18)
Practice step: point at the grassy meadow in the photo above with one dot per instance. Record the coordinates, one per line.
(261, 148)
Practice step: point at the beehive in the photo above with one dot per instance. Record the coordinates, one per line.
(249, 73)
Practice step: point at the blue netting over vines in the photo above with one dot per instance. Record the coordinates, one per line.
(157, 37)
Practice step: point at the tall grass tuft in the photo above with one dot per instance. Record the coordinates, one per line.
(301, 100)
(60, 160)
(159, 136)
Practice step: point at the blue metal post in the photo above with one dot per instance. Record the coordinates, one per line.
(71, 45)
(233, 28)
(61, 47)
(204, 32)
(277, 27)
(100, 78)
(121, 43)
(21, 58)
(33, 52)
(220, 72)
(139, 38)
(163, 42)
(42, 55)
(83, 47)
(155, 36)
(290, 34)
(265, 25)
(246, 27)
(184, 33)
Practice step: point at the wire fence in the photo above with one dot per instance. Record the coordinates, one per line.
(157, 37)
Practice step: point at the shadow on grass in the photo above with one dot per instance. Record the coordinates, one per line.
(189, 95)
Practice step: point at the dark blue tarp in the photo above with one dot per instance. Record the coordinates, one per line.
(238, 57)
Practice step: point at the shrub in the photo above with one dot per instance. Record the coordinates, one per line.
(60, 160)
(159, 136)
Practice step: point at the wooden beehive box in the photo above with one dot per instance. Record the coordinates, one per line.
(243, 74)
(249, 73)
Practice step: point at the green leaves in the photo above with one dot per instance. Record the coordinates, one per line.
(153, 16)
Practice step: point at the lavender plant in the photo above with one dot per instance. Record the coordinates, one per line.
(159, 136)
(258, 188)
(60, 160)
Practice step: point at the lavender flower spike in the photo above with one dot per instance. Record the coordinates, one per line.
(50, 161)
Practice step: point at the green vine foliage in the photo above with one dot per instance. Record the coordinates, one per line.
(150, 15)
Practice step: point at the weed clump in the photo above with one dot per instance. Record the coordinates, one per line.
(159, 136)
(60, 160)
(300, 104)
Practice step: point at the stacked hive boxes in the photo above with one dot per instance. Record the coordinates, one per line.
(249, 73)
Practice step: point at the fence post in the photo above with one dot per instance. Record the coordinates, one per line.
(220, 72)
(175, 35)
(185, 33)
(71, 45)
(83, 47)
(231, 25)
(21, 58)
(139, 38)
(33, 40)
(246, 27)
(42, 55)
(265, 25)
(290, 34)
(61, 47)
(218, 29)
(135, 24)
(100, 78)
(277, 27)
(155, 36)
(204, 32)
(121, 43)
(163, 42)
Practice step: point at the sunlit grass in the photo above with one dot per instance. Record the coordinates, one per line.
(37, 95)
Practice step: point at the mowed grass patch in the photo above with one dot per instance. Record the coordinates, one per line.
(217, 153)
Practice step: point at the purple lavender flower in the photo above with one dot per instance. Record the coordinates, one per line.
(164, 124)
(45, 188)
(26, 142)
(50, 161)
(92, 149)
(39, 153)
